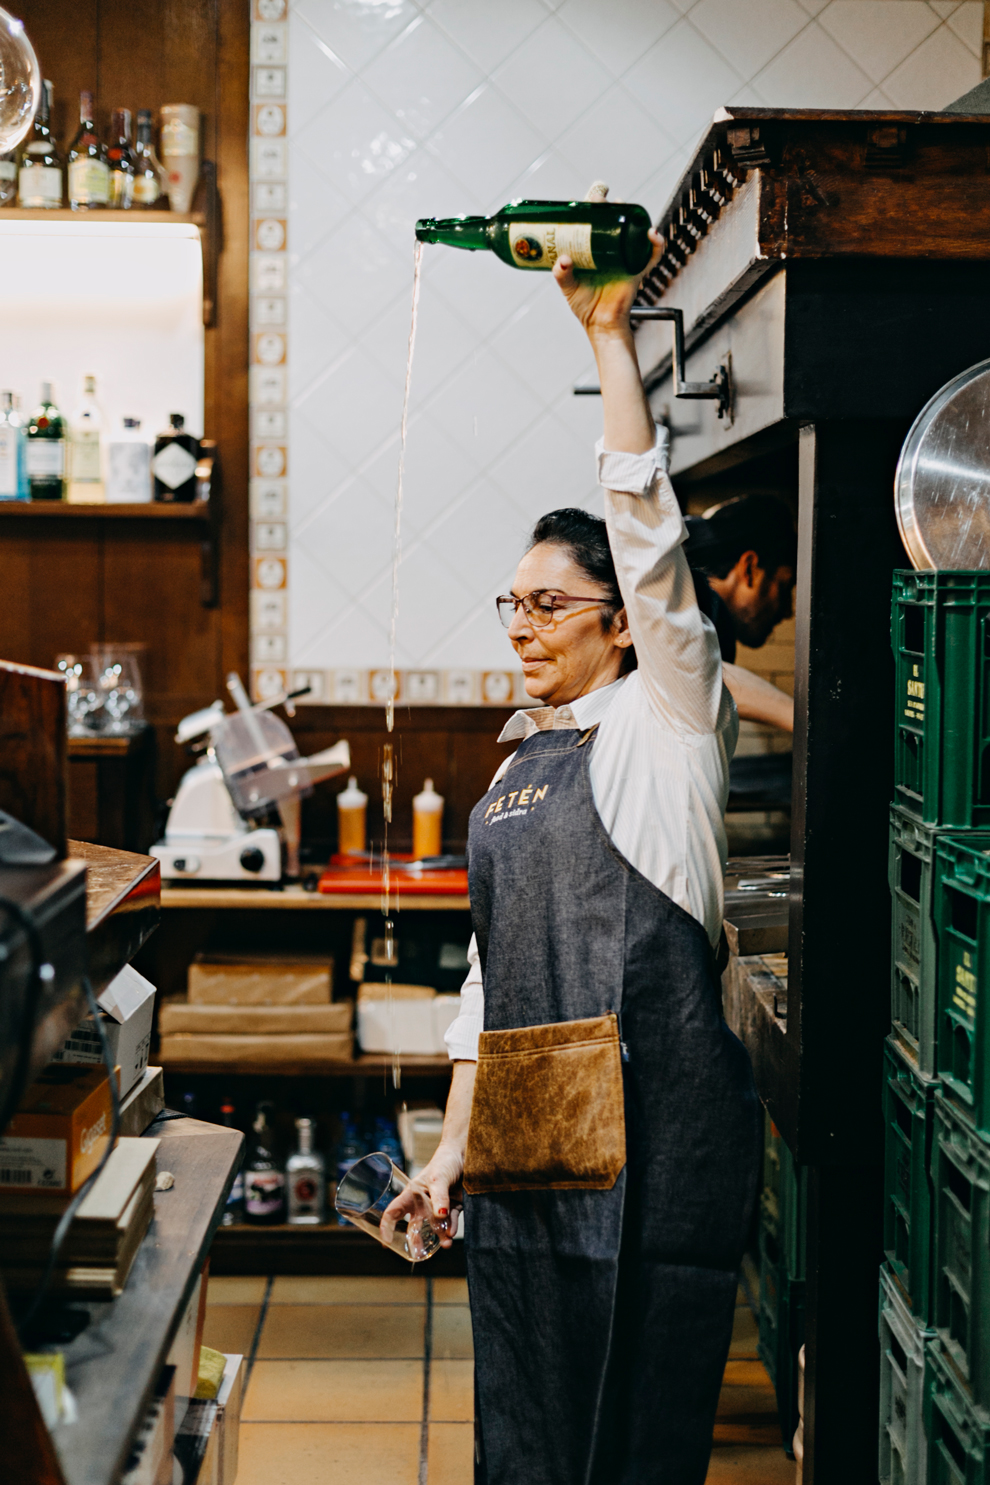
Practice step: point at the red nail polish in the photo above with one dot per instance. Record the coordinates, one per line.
(441, 1211)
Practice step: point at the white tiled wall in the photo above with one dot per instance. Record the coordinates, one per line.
(403, 108)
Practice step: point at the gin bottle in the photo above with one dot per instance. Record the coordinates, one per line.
(604, 238)
(306, 1179)
(85, 449)
(13, 474)
(39, 181)
(45, 452)
(174, 463)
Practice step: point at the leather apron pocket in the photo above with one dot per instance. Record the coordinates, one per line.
(548, 1111)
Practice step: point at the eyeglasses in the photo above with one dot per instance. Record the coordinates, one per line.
(539, 606)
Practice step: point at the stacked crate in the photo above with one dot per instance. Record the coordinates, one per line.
(935, 1284)
(783, 1221)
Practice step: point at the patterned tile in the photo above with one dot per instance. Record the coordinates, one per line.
(864, 29)
(941, 69)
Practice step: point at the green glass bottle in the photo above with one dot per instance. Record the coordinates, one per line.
(606, 238)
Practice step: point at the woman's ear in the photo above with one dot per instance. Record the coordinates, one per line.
(621, 636)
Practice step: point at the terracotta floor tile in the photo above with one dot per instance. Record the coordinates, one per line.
(231, 1327)
(340, 1289)
(745, 1334)
(450, 1291)
(315, 1453)
(452, 1391)
(452, 1333)
(368, 1331)
(451, 1454)
(736, 1464)
(743, 1372)
(335, 1391)
(233, 1289)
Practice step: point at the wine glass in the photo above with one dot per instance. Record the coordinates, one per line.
(20, 83)
(84, 696)
(119, 670)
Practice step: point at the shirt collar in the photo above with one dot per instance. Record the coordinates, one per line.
(585, 711)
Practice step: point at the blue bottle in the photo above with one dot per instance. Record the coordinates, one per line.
(350, 1147)
(386, 1139)
(13, 451)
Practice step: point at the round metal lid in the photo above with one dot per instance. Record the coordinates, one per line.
(942, 485)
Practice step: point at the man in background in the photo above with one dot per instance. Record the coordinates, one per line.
(743, 556)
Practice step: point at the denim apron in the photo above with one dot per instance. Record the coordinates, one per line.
(602, 1319)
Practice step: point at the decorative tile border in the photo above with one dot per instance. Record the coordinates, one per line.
(371, 687)
(268, 173)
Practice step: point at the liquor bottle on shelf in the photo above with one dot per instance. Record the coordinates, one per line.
(85, 461)
(350, 1147)
(45, 452)
(13, 472)
(174, 464)
(129, 465)
(120, 158)
(150, 181)
(264, 1181)
(386, 1139)
(88, 172)
(8, 179)
(608, 238)
(39, 180)
(233, 1212)
(306, 1179)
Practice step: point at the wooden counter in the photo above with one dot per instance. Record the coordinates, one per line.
(295, 898)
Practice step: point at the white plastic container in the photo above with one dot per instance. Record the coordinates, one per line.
(427, 822)
(352, 820)
(129, 465)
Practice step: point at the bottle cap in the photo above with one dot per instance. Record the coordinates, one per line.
(352, 798)
(177, 420)
(8, 399)
(46, 392)
(132, 422)
(89, 384)
(429, 801)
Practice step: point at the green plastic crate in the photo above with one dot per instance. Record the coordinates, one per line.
(914, 973)
(958, 1433)
(903, 1445)
(772, 1144)
(942, 661)
(961, 1182)
(784, 1202)
(962, 923)
(782, 1305)
(907, 1199)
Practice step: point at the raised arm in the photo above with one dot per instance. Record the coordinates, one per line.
(676, 647)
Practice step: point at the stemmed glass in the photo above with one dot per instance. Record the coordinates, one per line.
(85, 698)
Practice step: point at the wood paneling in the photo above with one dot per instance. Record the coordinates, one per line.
(32, 750)
(68, 585)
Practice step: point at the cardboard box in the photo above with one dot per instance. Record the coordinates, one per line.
(396, 1018)
(184, 1352)
(144, 1103)
(257, 979)
(128, 1005)
(59, 1133)
(255, 1020)
(275, 1051)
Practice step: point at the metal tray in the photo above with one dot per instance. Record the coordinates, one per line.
(942, 485)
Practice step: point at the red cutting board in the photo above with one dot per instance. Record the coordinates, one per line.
(343, 875)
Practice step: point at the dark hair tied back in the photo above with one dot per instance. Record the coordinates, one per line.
(584, 537)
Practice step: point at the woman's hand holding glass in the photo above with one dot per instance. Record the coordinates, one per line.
(434, 1194)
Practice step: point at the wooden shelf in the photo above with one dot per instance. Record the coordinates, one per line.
(113, 1365)
(134, 217)
(365, 1065)
(145, 510)
(297, 898)
(285, 1249)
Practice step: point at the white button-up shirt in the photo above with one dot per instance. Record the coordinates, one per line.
(666, 733)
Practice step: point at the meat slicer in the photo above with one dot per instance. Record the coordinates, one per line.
(219, 826)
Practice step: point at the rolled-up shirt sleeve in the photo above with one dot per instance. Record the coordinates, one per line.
(676, 645)
(462, 1034)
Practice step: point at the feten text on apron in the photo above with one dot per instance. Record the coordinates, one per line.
(602, 1318)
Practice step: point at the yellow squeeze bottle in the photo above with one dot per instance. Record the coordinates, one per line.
(427, 822)
(352, 820)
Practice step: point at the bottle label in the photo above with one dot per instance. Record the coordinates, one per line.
(45, 458)
(540, 244)
(84, 457)
(39, 185)
(8, 462)
(121, 189)
(129, 471)
(89, 182)
(304, 1195)
(263, 1192)
(173, 465)
(147, 189)
(179, 139)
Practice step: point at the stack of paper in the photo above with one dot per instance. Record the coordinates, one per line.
(105, 1235)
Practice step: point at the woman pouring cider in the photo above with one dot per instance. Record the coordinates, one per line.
(602, 1118)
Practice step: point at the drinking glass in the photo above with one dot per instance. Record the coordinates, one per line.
(119, 671)
(367, 1189)
(84, 696)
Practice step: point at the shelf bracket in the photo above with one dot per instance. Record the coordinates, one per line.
(718, 389)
